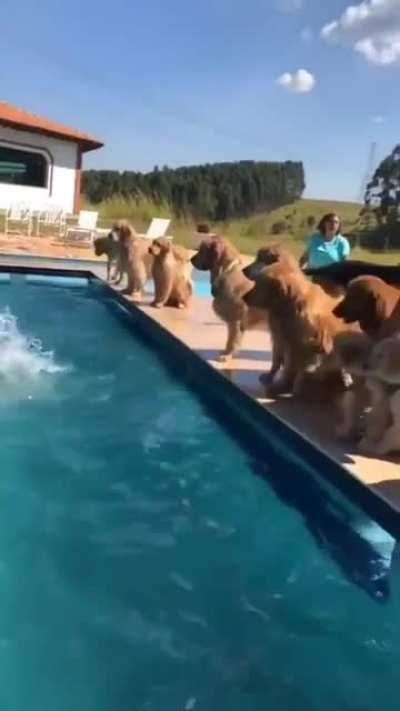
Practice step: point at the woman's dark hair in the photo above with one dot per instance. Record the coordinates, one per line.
(327, 218)
(203, 228)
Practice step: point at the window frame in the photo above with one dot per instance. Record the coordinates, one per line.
(29, 148)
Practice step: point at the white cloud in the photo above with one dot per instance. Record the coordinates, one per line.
(300, 82)
(378, 120)
(306, 34)
(372, 28)
(289, 6)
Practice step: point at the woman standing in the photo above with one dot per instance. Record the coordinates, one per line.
(327, 245)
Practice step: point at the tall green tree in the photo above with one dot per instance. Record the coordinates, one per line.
(211, 191)
(383, 191)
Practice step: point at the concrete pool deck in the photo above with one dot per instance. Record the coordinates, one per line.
(201, 330)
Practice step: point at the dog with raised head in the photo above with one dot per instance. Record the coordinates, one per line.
(171, 274)
(228, 287)
(109, 246)
(270, 254)
(300, 319)
(134, 260)
(372, 303)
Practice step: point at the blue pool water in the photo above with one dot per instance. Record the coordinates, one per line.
(148, 561)
(201, 284)
(201, 280)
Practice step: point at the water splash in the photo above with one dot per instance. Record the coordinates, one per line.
(21, 357)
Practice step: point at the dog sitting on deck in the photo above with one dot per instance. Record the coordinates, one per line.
(171, 273)
(133, 259)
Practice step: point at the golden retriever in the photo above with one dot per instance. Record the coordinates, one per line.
(109, 246)
(371, 302)
(171, 274)
(300, 319)
(270, 254)
(266, 256)
(228, 287)
(384, 381)
(133, 260)
(350, 353)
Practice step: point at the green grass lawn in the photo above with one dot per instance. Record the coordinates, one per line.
(248, 234)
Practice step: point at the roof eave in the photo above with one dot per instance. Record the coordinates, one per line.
(85, 144)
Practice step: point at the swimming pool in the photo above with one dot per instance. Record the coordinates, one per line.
(153, 561)
(201, 280)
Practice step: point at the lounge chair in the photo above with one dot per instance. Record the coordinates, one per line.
(52, 217)
(18, 216)
(85, 230)
(158, 228)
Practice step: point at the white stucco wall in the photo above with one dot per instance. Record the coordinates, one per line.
(61, 175)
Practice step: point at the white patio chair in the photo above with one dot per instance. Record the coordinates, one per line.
(158, 228)
(18, 215)
(85, 229)
(52, 217)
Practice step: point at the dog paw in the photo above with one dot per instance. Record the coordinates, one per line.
(266, 378)
(274, 390)
(225, 357)
(157, 304)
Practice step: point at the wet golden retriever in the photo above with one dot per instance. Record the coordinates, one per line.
(228, 287)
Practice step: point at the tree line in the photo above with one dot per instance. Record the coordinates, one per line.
(380, 216)
(216, 191)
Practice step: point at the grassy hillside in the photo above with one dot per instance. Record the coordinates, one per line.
(247, 233)
(295, 224)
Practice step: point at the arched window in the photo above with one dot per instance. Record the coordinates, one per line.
(20, 166)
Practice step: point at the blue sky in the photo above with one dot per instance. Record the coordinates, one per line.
(181, 82)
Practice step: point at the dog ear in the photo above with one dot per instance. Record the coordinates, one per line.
(125, 231)
(380, 306)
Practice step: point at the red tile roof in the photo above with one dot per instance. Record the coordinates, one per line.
(18, 118)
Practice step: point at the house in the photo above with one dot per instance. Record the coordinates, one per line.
(40, 160)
